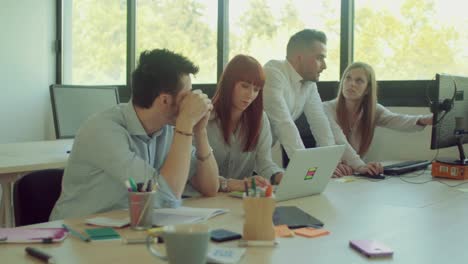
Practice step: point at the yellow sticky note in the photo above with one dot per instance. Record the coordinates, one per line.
(345, 179)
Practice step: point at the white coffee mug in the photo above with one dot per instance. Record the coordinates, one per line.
(187, 243)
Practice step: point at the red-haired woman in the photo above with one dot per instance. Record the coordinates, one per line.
(239, 130)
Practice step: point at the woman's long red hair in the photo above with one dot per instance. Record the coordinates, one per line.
(247, 69)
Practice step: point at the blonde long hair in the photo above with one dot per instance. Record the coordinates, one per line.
(368, 107)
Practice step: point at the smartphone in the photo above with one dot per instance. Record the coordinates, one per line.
(371, 248)
(222, 235)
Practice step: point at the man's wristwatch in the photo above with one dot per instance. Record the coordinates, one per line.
(223, 184)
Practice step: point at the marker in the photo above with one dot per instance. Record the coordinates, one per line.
(258, 243)
(34, 252)
(149, 186)
(140, 186)
(132, 184)
(76, 234)
(269, 191)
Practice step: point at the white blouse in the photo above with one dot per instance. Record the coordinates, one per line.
(384, 118)
(233, 162)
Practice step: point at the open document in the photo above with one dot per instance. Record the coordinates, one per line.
(183, 215)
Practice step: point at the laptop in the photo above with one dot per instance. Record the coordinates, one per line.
(309, 172)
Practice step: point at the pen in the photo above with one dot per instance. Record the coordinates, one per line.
(254, 187)
(77, 234)
(258, 243)
(246, 187)
(130, 241)
(39, 254)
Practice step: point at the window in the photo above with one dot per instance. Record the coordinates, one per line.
(411, 39)
(188, 27)
(262, 28)
(94, 42)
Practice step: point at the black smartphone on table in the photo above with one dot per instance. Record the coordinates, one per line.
(222, 235)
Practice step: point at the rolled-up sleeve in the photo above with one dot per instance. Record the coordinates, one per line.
(318, 121)
(395, 121)
(263, 160)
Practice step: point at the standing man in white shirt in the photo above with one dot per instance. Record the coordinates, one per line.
(290, 90)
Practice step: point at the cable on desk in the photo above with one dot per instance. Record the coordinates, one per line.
(432, 180)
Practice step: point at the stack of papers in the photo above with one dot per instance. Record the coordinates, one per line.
(108, 222)
(184, 215)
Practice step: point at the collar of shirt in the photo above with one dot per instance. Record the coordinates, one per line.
(134, 126)
(295, 78)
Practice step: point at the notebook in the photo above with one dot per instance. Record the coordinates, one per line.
(183, 215)
(102, 233)
(32, 235)
(308, 172)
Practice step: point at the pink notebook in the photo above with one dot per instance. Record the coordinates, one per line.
(32, 235)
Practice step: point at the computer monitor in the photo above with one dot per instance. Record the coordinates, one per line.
(450, 108)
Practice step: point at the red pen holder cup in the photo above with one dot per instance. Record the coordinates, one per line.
(140, 207)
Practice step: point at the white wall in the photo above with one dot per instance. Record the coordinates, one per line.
(27, 68)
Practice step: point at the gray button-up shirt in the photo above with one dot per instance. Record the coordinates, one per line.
(233, 162)
(109, 148)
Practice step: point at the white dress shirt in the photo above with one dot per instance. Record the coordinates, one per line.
(383, 118)
(286, 97)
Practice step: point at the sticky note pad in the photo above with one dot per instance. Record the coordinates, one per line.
(103, 233)
(311, 232)
(283, 231)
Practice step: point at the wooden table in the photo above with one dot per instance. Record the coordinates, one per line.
(422, 223)
(17, 159)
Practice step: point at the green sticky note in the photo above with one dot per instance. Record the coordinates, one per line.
(102, 233)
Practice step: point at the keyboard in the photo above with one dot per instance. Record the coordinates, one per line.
(405, 167)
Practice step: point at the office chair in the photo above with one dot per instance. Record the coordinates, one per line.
(73, 104)
(35, 194)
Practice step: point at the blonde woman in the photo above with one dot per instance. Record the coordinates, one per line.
(355, 113)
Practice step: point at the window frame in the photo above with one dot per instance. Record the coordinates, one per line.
(409, 93)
